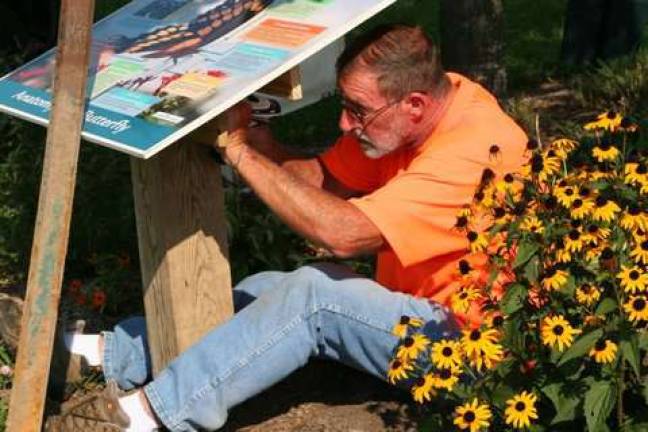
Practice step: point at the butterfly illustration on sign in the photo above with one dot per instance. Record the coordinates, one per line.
(182, 39)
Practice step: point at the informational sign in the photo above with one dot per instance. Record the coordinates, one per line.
(162, 68)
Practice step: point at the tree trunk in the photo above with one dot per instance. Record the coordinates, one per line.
(472, 41)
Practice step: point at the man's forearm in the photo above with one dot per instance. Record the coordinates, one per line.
(297, 198)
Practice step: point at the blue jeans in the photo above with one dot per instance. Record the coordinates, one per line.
(282, 320)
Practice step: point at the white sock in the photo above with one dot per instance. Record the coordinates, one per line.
(140, 419)
(84, 345)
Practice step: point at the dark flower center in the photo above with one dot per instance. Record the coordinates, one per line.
(487, 175)
(464, 267)
(611, 115)
(644, 245)
(584, 192)
(420, 381)
(600, 345)
(463, 295)
(520, 406)
(639, 304)
(469, 417)
(479, 196)
(605, 146)
(574, 235)
(634, 210)
(551, 202)
(551, 153)
(396, 364)
(408, 342)
(600, 201)
(577, 204)
(558, 330)
(569, 191)
(642, 169)
(494, 149)
(447, 352)
(472, 236)
(586, 289)
(634, 275)
(475, 335)
(592, 229)
(508, 178)
(498, 320)
(575, 223)
(551, 272)
(404, 320)
(625, 123)
(532, 144)
(562, 183)
(607, 254)
(499, 212)
(537, 164)
(445, 374)
(462, 221)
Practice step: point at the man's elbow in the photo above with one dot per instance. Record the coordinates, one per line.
(354, 249)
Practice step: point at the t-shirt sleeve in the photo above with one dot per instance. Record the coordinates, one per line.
(416, 210)
(346, 162)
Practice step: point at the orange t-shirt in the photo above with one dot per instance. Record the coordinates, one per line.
(413, 195)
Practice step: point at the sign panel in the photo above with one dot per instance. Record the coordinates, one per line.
(162, 68)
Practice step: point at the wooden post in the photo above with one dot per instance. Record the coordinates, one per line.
(179, 206)
(53, 218)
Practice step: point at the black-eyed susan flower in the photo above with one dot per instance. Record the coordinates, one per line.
(509, 185)
(520, 410)
(565, 194)
(488, 359)
(411, 346)
(609, 120)
(404, 324)
(554, 279)
(478, 341)
(605, 210)
(472, 416)
(423, 389)
(581, 208)
(640, 252)
(633, 218)
(574, 241)
(563, 255)
(446, 378)
(557, 332)
(637, 308)
(564, 146)
(602, 172)
(446, 353)
(605, 152)
(628, 125)
(594, 232)
(463, 299)
(501, 216)
(593, 320)
(604, 351)
(587, 294)
(635, 173)
(478, 241)
(399, 370)
(633, 279)
(532, 224)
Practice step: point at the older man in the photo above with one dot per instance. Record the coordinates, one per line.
(416, 142)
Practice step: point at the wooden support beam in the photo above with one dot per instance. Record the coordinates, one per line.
(180, 213)
(53, 219)
(287, 85)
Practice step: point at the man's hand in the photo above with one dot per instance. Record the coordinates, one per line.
(232, 142)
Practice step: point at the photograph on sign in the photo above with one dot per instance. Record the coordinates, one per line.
(162, 68)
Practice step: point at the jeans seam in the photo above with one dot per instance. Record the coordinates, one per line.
(108, 367)
(243, 362)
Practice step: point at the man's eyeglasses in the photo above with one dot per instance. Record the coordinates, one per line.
(360, 114)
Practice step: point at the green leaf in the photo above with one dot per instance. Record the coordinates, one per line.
(630, 353)
(532, 270)
(525, 252)
(514, 298)
(581, 346)
(565, 403)
(599, 401)
(606, 306)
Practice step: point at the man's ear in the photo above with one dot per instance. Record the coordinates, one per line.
(417, 104)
